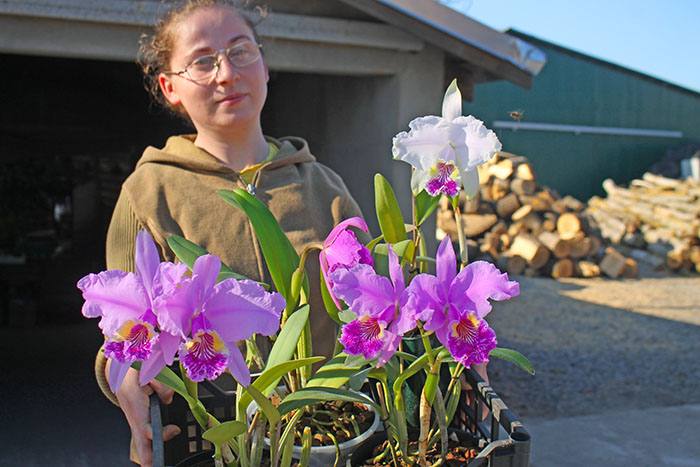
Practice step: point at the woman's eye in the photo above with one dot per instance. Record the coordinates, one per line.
(205, 62)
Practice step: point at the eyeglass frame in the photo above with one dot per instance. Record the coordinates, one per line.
(217, 65)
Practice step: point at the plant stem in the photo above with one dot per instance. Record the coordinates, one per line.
(463, 252)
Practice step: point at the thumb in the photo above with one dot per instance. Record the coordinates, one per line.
(165, 394)
(170, 431)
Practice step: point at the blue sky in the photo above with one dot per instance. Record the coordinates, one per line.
(660, 38)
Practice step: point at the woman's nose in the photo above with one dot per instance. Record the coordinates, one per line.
(225, 71)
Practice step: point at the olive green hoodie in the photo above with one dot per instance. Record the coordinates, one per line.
(173, 191)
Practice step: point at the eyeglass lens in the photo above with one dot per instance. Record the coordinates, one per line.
(239, 55)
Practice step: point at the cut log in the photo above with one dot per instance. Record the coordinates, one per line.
(524, 171)
(631, 270)
(559, 248)
(587, 269)
(561, 268)
(521, 213)
(512, 264)
(523, 187)
(499, 188)
(507, 205)
(531, 249)
(573, 204)
(613, 264)
(568, 225)
(580, 246)
(476, 224)
(502, 169)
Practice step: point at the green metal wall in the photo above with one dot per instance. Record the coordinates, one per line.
(574, 89)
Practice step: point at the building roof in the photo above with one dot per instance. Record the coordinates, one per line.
(495, 54)
(537, 41)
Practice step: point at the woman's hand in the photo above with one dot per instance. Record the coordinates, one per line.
(133, 400)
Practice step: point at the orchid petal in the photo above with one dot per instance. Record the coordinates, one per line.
(482, 142)
(117, 372)
(427, 301)
(175, 311)
(363, 336)
(364, 291)
(446, 262)
(206, 270)
(152, 366)
(390, 344)
(114, 295)
(452, 102)
(470, 180)
(146, 259)
(169, 344)
(353, 221)
(422, 146)
(478, 282)
(396, 272)
(237, 366)
(239, 309)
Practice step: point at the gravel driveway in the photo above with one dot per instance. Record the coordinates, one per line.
(599, 344)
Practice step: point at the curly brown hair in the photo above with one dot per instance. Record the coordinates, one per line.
(155, 48)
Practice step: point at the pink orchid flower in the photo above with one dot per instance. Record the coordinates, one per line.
(379, 305)
(454, 305)
(341, 250)
(124, 302)
(212, 317)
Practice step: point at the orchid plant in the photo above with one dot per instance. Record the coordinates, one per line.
(384, 302)
(160, 317)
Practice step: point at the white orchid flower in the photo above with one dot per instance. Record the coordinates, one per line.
(445, 151)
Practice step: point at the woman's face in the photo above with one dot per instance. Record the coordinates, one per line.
(231, 101)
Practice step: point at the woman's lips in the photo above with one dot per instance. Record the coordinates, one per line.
(232, 98)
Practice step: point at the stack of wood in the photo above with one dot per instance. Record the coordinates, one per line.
(528, 229)
(655, 220)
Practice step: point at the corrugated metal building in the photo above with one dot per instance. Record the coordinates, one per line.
(585, 119)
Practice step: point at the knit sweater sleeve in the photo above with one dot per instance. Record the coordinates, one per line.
(121, 236)
(121, 243)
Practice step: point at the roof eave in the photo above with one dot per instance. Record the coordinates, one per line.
(493, 65)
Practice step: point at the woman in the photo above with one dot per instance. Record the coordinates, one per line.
(204, 62)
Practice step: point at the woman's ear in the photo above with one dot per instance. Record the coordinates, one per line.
(168, 89)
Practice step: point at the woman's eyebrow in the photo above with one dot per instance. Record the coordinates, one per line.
(203, 50)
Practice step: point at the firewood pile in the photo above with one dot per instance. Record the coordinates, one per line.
(655, 220)
(528, 229)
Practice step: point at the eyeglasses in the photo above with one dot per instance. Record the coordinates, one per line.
(207, 66)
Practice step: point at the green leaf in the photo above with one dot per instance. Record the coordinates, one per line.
(188, 252)
(328, 302)
(425, 205)
(224, 432)
(286, 342)
(355, 361)
(514, 357)
(358, 379)
(280, 257)
(404, 250)
(268, 379)
(388, 213)
(373, 243)
(307, 396)
(334, 373)
(270, 411)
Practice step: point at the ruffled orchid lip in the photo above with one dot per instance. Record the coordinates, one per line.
(204, 356)
(443, 180)
(363, 336)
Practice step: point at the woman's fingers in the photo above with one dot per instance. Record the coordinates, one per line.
(165, 394)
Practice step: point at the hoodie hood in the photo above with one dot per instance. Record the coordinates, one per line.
(181, 151)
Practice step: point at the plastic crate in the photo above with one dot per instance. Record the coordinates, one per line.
(510, 451)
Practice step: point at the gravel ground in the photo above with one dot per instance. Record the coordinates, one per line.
(599, 345)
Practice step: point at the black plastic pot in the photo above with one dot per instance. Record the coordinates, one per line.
(201, 459)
